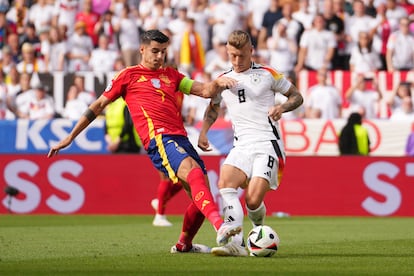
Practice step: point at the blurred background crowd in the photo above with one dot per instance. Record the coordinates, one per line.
(74, 36)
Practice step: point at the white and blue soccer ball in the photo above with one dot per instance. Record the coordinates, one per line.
(262, 241)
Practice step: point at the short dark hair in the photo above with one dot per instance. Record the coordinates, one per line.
(156, 35)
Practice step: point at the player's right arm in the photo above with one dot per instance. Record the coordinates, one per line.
(88, 116)
(210, 116)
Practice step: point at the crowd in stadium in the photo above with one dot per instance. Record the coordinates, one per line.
(72, 36)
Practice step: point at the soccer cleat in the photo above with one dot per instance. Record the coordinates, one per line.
(230, 249)
(196, 248)
(154, 204)
(161, 221)
(227, 229)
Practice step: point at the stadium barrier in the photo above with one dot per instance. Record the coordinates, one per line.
(126, 184)
(301, 137)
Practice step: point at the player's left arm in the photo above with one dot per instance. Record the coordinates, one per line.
(294, 100)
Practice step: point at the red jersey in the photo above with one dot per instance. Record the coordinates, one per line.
(151, 99)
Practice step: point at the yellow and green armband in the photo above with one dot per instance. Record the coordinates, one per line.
(185, 85)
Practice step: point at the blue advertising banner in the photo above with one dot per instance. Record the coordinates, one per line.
(37, 136)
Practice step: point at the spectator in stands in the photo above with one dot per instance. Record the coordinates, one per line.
(41, 14)
(13, 87)
(90, 19)
(192, 55)
(74, 107)
(399, 93)
(354, 138)
(324, 100)
(304, 14)
(225, 17)
(30, 63)
(105, 27)
(394, 14)
(30, 35)
(5, 29)
(400, 48)
(294, 29)
(317, 47)
(57, 51)
(79, 47)
(270, 17)
(21, 105)
(102, 58)
(254, 18)
(159, 18)
(199, 10)
(364, 96)
(18, 15)
(364, 59)
(405, 112)
(7, 60)
(127, 30)
(41, 105)
(354, 24)
(85, 95)
(219, 62)
(3, 97)
(409, 8)
(14, 46)
(282, 50)
(64, 13)
(177, 27)
(380, 33)
(335, 24)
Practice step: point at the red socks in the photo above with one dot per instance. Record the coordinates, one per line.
(193, 219)
(203, 198)
(166, 190)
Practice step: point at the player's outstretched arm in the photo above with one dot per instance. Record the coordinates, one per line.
(88, 116)
(212, 88)
(210, 116)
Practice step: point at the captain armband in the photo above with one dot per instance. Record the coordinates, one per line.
(89, 114)
(185, 85)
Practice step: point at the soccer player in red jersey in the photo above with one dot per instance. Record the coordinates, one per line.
(149, 91)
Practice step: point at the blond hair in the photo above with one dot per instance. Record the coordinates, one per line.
(238, 39)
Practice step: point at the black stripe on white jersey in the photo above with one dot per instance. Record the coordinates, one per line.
(277, 148)
(275, 132)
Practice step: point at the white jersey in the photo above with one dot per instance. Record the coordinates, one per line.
(249, 101)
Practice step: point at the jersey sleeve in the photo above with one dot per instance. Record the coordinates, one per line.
(116, 88)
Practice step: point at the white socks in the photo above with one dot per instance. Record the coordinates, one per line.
(257, 216)
(233, 210)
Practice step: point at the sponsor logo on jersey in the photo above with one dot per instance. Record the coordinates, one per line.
(142, 79)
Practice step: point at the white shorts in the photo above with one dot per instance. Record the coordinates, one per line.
(261, 159)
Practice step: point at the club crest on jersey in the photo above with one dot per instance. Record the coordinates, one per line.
(156, 83)
(255, 79)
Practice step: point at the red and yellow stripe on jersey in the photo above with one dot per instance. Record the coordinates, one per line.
(152, 100)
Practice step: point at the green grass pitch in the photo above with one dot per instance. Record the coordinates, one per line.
(130, 245)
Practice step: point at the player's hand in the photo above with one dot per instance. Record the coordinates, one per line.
(275, 112)
(55, 149)
(226, 82)
(203, 143)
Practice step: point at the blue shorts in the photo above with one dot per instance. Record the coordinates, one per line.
(168, 151)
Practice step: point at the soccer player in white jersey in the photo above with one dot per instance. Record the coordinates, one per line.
(257, 159)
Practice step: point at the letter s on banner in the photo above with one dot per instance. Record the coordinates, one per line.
(75, 191)
(32, 193)
(391, 193)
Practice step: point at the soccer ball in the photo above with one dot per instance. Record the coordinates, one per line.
(262, 241)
